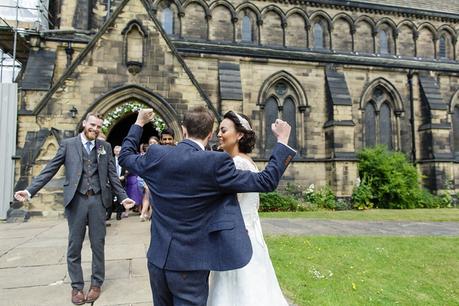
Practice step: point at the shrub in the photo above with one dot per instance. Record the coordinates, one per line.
(322, 198)
(393, 181)
(274, 201)
(362, 197)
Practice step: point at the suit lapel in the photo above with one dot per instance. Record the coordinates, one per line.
(78, 147)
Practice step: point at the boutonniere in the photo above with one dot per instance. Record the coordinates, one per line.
(101, 151)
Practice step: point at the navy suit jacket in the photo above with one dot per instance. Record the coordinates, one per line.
(197, 222)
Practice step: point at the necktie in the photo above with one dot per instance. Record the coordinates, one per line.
(88, 147)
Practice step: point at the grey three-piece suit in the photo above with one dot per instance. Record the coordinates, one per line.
(89, 181)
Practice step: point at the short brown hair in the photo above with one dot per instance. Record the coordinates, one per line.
(93, 114)
(199, 122)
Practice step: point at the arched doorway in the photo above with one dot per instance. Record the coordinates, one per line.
(121, 128)
(119, 109)
(119, 119)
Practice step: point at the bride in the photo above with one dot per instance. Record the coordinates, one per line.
(256, 283)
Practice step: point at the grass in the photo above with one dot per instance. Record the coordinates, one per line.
(442, 214)
(367, 270)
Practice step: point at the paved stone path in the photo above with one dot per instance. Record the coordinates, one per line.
(33, 262)
(358, 228)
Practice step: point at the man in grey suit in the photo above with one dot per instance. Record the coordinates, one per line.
(90, 177)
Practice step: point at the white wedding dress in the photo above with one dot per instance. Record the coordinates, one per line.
(256, 283)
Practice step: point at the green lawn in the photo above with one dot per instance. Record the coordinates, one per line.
(444, 214)
(367, 270)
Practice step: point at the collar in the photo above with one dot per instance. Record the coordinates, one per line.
(197, 142)
(84, 140)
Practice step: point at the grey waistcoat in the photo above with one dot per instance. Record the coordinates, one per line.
(90, 176)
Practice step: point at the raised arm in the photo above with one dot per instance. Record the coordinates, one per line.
(129, 156)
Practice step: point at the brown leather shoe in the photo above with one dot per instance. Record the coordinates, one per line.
(78, 297)
(93, 294)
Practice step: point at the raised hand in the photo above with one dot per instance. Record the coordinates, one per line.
(145, 115)
(281, 130)
(21, 195)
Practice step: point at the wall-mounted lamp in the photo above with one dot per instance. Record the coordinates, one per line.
(73, 111)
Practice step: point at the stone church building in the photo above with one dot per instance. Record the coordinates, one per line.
(345, 74)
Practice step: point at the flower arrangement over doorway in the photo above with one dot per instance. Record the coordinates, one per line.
(118, 112)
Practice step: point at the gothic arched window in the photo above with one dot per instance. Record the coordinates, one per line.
(271, 113)
(383, 42)
(134, 46)
(385, 126)
(247, 29)
(456, 131)
(442, 47)
(370, 125)
(319, 42)
(289, 115)
(379, 119)
(168, 21)
(283, 101)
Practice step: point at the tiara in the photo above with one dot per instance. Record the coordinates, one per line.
(245, 124)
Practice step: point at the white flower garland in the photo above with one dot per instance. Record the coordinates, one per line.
(116, 113)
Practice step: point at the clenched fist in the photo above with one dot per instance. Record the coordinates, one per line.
(145, 115)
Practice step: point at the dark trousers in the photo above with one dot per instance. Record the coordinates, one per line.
(86, 210)
(117, 207)
(178, 288)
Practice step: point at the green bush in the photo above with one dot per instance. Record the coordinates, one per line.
(322, 198)
(389, 180)
(362, 197)
(393, 181)
(274, 201)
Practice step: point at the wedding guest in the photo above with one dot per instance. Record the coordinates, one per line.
(86, 196)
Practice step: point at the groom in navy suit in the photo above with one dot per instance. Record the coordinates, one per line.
(197, 224)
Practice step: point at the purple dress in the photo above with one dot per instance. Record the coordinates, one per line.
(132, 189)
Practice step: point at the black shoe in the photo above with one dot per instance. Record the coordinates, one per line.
(118, 216)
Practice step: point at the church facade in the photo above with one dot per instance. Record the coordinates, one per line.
(345, 74)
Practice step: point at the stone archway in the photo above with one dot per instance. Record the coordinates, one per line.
(143, 97)
(120, 129)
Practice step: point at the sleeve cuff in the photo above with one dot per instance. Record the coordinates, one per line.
(287, 146)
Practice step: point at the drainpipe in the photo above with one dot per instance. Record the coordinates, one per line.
(109, 8)
(413, 128)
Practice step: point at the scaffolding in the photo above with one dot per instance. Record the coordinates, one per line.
(19, 18)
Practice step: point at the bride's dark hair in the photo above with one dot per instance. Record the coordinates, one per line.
(247, 142)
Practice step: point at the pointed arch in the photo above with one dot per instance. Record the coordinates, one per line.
(342, 38)
(389, 22)
(155, 5)
(221, 25)
(396, 100)
(346, 17)
(226, 4)
(199, 2)
(408, 23)
(429, 27)
(364, 35)
(367, 19)
(324, 15)
(426, 41)
(299, 11)
(141, 94)
(273, 28)
(406, 39)
(273, 8)
(288, 78)
(252, 7)
(447, 28)
(296, 33)
(454, 101)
